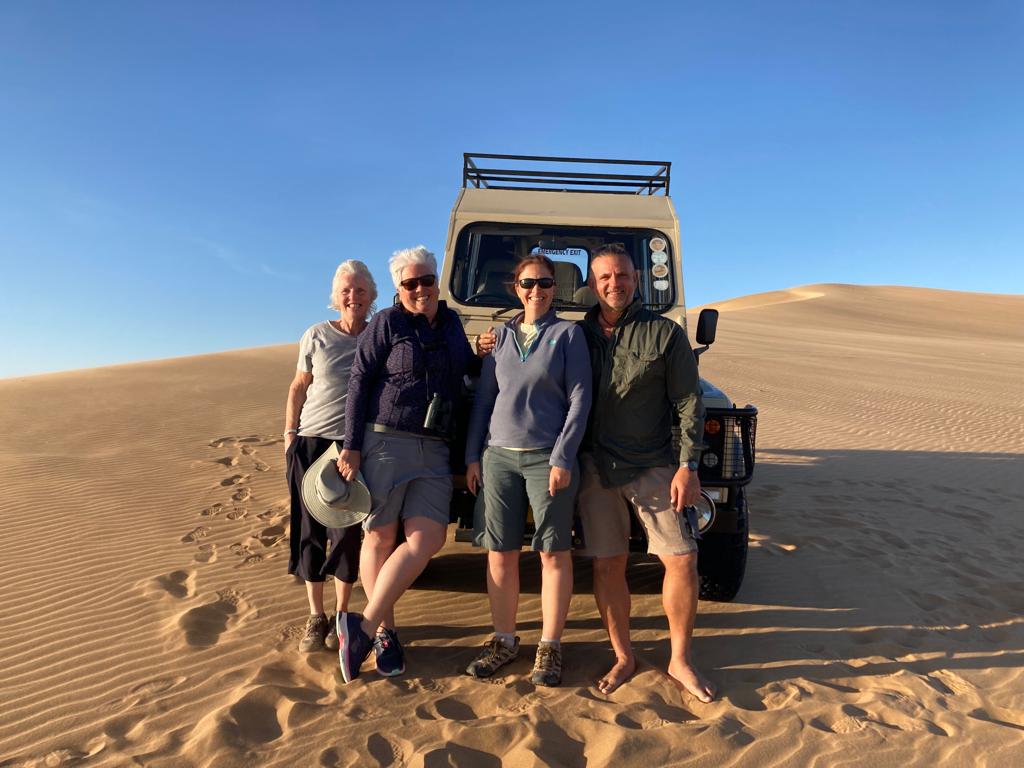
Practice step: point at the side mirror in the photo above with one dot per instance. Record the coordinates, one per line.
(707, 324)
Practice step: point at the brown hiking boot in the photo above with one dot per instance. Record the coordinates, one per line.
(547, 667)
(313, 637)
(493, 657)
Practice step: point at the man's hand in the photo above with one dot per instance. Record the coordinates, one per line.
(558, 479)
(485, 342)
(348, 464)
(685, 489)
(473, 479)
(289, 438)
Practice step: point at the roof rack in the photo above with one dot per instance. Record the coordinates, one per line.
(530, 174)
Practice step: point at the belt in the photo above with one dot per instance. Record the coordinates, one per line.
(402, 433)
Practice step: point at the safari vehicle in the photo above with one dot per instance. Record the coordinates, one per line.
(511, 206)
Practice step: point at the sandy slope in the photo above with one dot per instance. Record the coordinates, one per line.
(146, 617)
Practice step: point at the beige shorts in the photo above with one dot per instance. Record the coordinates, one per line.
(604, 513)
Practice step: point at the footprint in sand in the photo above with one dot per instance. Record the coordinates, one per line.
(234, 480)
(207, 553)
(449, 708)
(204, 624)
(242, 494)
(237, 513)
(259, 466)
(385, 751)
(178, 584)
(272, 536)
(227, 461)
(195, 534)
(213, 510)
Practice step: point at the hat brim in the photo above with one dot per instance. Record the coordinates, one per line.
(342, 515)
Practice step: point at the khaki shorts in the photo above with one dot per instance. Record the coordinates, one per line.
(604, 513)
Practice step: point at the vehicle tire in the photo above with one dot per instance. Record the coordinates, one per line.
(722, 558)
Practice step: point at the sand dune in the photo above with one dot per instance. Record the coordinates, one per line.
(146, 617)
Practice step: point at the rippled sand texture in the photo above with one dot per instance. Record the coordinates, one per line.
(146, 616)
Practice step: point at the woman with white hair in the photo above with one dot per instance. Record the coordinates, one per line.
(406, 378)
(314, 418)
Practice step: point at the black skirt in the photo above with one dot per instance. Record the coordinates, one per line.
(310, 557)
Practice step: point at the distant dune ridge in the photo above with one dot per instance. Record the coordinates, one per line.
(146, 616)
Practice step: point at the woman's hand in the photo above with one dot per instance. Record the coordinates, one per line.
(485, 342)
(558, 479)
(473, 479)
(348, 464)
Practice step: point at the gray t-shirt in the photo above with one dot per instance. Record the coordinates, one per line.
(327, 353)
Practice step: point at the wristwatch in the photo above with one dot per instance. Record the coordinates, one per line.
(691, 465)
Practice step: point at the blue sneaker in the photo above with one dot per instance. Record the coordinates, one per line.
(389, 653)
(354, 645)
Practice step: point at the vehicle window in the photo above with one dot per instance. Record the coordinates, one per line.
(486, 256)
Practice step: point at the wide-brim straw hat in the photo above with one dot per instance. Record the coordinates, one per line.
(329, 498)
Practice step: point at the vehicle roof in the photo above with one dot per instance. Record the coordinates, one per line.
(567, 208)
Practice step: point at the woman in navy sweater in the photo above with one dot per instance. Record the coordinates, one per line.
(405, 378)
(531, 406)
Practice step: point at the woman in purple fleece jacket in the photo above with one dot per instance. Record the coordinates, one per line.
(531, 404)
(405, 377)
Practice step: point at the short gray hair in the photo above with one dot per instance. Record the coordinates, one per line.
(355, 268)
(407, 257)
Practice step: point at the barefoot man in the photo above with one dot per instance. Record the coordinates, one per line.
(644, 371)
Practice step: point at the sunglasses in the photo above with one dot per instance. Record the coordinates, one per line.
(426, 281)
(526, 283)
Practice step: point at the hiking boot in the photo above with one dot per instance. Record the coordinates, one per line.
(389, 653)
(331, 640)
(493, 657)
(314, 634)
(547, 667)
(354, 645)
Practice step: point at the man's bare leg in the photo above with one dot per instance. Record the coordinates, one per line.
(612, 595)
(679, 598)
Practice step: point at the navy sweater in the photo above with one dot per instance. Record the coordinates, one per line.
(395, 374)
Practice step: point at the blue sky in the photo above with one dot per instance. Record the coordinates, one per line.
(179, 178)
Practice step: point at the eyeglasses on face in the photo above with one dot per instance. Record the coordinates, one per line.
(526, 283)
(426, 281)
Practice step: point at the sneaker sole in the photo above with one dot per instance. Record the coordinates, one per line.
(394, 673)
(344, 646)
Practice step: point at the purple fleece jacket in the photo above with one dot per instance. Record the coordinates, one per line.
(400, 362)
(534, 398)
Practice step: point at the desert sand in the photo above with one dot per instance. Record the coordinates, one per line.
(146, 616)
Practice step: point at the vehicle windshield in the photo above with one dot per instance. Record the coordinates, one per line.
(486, 255)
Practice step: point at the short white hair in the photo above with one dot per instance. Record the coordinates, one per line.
(355, 268)
(407, 257)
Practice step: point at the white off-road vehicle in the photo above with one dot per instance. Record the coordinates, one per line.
(513, 205)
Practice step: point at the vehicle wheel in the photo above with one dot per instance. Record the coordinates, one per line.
(722, 559)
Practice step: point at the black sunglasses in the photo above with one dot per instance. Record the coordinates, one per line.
(526, 283)
(415, 282)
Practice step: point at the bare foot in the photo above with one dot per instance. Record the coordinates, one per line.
(617, 675)
(691, 680)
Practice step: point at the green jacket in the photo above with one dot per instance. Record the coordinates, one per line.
(643, 374)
